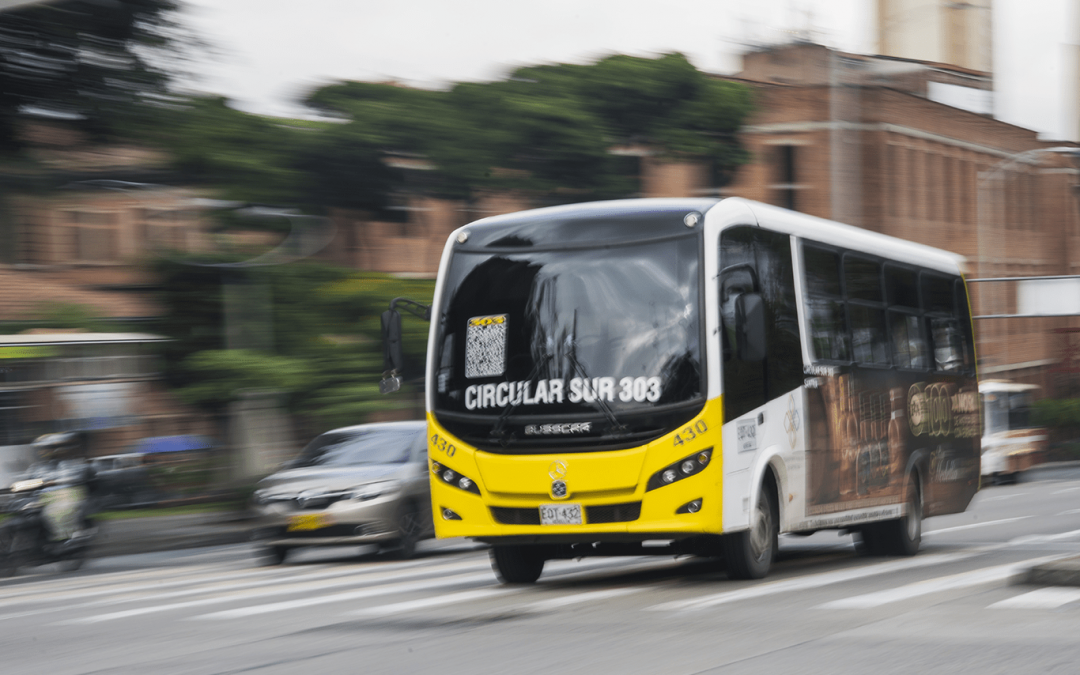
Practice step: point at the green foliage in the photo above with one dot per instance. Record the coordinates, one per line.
(549, 129)
(84, 60)
(1056, 413)
(327, 346)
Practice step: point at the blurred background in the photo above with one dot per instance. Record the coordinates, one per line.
(205, 206)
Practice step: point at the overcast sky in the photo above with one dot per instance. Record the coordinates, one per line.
(267, 53)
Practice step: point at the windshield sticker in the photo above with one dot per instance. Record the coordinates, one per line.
(574, 390)
(485, 346)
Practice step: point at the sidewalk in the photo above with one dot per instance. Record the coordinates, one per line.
(126, 536)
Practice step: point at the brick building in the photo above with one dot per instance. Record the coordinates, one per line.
(893, 145)
(880, 143)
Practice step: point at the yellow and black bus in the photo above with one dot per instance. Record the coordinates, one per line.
(700, 374)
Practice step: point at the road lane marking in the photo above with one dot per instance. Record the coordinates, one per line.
(577, 598)
(1072, 489)
(435, 601)
(281, 606)
(809, 581)
(996, 498)
(978, 577)
(1043, 598)
(1036, 538)
(1070, 512)
(597, 565)
(968, 527)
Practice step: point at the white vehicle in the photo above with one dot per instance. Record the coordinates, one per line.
(1010, 443)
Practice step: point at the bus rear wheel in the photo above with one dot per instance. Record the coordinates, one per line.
(903, 535)
(749, 554)
(517, 564)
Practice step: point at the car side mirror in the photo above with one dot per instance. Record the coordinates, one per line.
(750, 327)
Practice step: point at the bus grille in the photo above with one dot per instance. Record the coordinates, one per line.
(606, 513)
(613, 513)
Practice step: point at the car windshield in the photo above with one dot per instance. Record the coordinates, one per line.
(358, 448)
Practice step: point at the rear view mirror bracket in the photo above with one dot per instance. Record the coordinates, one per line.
(393, 355)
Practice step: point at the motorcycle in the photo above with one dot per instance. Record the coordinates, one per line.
(47, 519)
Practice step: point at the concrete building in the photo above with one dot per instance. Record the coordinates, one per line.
(940, 31)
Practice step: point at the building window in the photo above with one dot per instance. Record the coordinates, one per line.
(92, 236)
(786, 181)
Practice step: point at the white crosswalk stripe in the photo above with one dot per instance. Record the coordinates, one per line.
(1043, 598)
(937, 585)
(233, 590)
(807, 582)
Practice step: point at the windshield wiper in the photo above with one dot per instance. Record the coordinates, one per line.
(497, 429)
(617, 427)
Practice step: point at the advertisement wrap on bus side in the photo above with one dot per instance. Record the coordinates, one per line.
(866, 430)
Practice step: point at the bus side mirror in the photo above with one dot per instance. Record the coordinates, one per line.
(393, 358)
(750, 327)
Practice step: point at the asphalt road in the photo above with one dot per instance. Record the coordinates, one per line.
(825, 609)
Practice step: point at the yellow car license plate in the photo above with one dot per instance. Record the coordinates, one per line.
(309, 521)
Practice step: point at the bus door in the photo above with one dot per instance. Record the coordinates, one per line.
(762, 371)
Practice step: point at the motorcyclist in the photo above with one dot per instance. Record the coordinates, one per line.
(62, 466)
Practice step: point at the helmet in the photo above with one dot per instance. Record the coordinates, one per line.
(52, 447)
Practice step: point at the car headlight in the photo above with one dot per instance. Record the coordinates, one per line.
(370, 491)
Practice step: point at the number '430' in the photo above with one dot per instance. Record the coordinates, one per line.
(689, 433)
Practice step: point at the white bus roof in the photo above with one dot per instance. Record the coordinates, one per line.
(76, 338)
(845, 236)
(1001, 386)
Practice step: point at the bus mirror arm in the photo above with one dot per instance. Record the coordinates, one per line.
(750, 327)
(393, 356)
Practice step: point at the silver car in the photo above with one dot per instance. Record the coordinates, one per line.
(358, 485)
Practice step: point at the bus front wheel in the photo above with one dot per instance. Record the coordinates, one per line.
(517, 564)
(749, 554)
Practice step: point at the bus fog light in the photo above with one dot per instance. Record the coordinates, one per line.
(669, 476)
(690, 507)
(447, 514)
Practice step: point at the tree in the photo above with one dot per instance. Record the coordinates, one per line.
(82, 60)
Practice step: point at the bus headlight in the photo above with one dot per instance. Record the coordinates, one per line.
(684, 468)
(451, 477)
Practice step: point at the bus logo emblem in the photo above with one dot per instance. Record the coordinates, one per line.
(559, 490)
(557, 470)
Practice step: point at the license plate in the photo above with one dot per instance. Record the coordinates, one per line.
(560, 514)
(309, 521)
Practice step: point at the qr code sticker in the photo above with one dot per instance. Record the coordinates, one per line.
(485, 346)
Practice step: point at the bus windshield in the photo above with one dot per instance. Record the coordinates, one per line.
(582, 343)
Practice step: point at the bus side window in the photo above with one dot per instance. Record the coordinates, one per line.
(824, 304)
(946, 340)
(948, 344)
(963, 314)
(909, 348)
(908, 345)
(862, 283)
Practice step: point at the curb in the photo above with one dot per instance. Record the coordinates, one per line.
(1064, 572)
